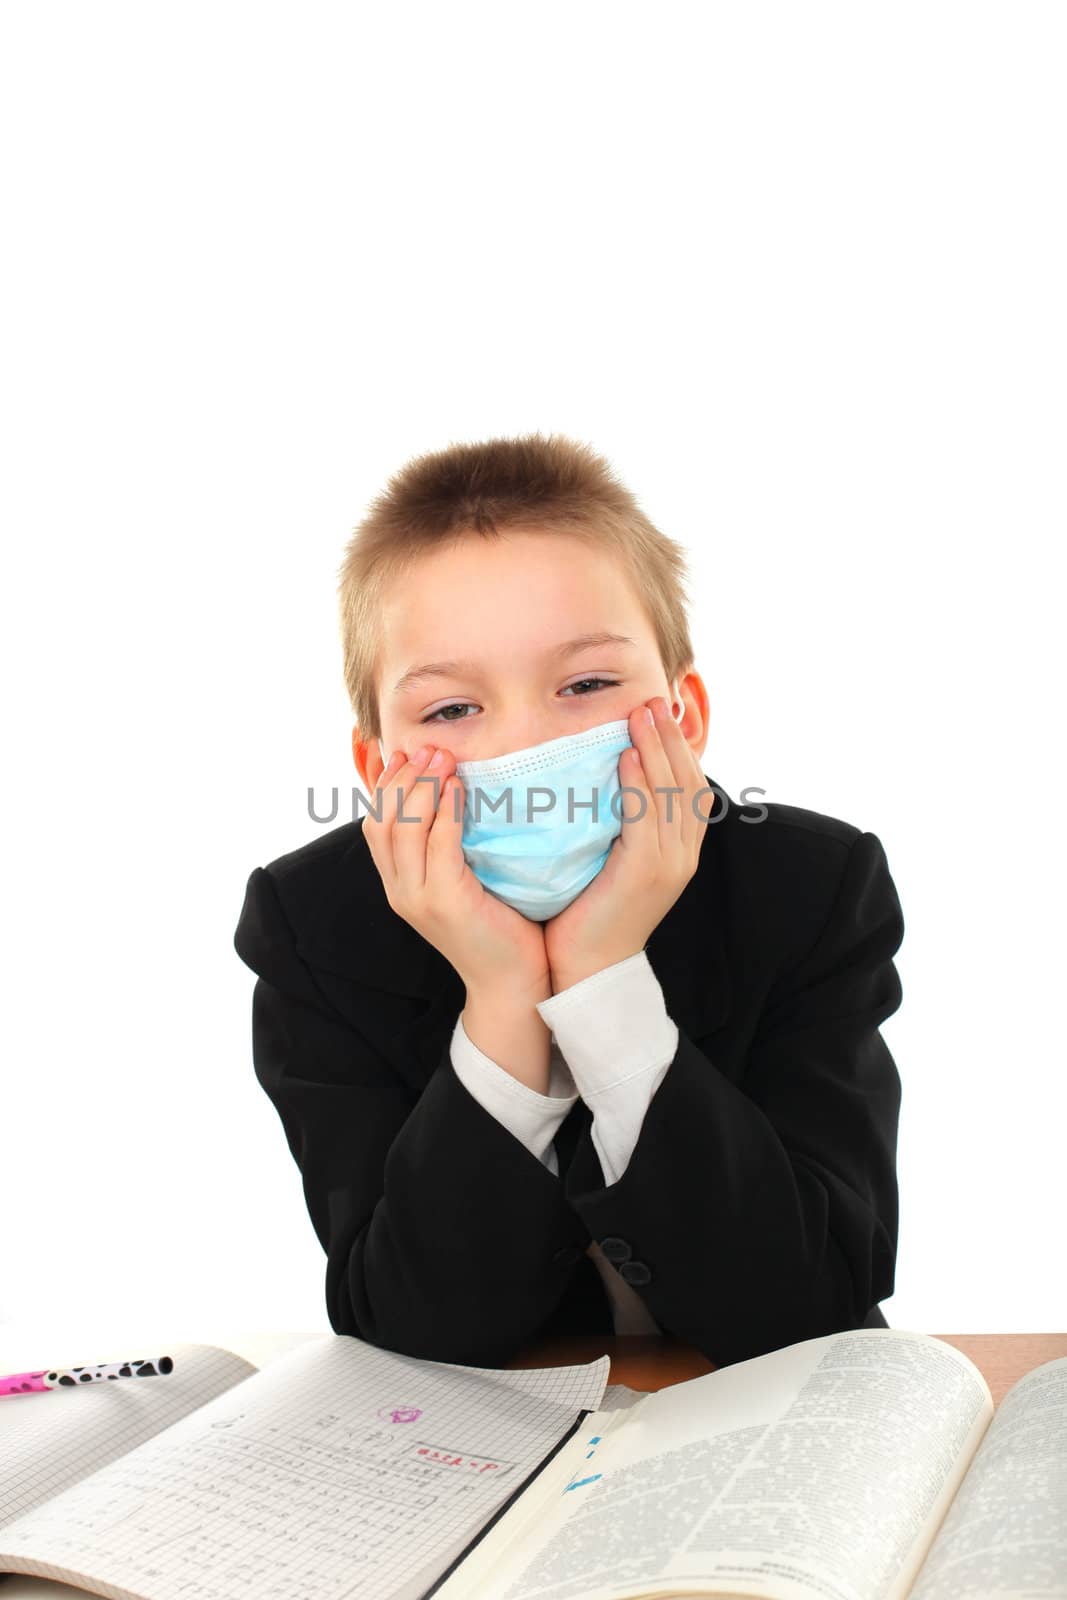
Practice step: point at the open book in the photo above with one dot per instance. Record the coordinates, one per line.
(864, 1464)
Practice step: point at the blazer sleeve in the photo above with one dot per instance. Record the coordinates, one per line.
(756, 1217)
(445, 1237)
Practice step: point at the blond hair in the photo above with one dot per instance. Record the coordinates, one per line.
(537, 483)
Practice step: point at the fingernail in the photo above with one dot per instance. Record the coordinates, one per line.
(649, 718)
(421, 753)
(438, 758)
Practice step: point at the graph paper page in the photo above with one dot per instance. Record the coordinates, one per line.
(341, 1470)
(49, 1441)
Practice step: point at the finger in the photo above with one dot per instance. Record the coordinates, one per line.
(679, 754)
(376, 829)
(659, 775)
(445, 812)
(638, 810)
(444, 853)
(417, 794)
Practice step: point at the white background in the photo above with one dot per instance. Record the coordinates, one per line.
(797, 270)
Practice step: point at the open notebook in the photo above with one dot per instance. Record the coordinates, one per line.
(340, 1469)
(866, 1465)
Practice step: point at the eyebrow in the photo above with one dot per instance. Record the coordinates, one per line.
(455, 669)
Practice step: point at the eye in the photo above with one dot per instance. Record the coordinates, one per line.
(602, 683)
(457, 705)
(439, 715)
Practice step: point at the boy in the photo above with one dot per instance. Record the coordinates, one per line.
(665, 1107)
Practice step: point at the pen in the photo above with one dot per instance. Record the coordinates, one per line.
(69, 1377)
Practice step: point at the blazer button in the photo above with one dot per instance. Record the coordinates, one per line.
(635, 1272)
(567, 1255)
(615, 1249)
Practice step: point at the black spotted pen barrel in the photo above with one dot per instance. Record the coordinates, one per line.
(70, 1377)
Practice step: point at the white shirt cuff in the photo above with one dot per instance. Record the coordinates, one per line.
(616, 1037)
(612, 1026)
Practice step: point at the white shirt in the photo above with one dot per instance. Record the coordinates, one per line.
(612, 1042)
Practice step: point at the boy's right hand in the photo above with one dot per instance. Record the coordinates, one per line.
(428, 882)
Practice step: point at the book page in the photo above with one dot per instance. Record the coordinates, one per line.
(340, 1470)
(50, 1441)
(1006, 1530)
(817, 1472)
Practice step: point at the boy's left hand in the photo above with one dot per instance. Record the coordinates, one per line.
(650, 862)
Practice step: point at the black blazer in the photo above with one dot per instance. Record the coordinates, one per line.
(759, 1206)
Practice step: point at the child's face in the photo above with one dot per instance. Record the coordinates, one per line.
(498, 610)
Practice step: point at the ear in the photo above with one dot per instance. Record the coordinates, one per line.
(692, 696)
(368, 760)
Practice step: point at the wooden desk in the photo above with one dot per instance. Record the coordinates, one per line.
(653, 1361)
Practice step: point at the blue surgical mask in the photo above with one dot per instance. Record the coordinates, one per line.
(565, 809)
